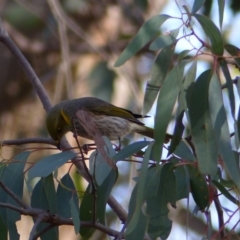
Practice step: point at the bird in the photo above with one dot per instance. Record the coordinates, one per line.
(111, 121)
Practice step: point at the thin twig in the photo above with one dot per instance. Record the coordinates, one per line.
(219, 213)
(70, 23)
(55, 7)
(30, 73)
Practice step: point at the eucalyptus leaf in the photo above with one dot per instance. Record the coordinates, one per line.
(165, 104)
(93, 205)
(202, 130)
(130, 150)
(219, 119)
(146, 33)
(197, 5)
(159, 71)
(47, 165)
(65, 192)
(141, 186)
(75, 214)
(13, 177)
(212, 33)
(44, 197)
(221, 6)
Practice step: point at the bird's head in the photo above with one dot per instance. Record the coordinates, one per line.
(58, 123)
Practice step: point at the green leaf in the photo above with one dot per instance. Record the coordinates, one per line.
(226, 193)
(146, 33)
(99, 168)
(159, 225)
(165, 104)
(164, 40)
(201, 125)
(47, 165)
(199, 188)
(140, 223)
(229, 85)
(197, 5)
(13, 177)
(178, 129)
(44, 197)
(219, 119)
(3, 229)
(182, 182)
(221, 4)
(181, 108)
(99, 200)
(65, 192)
(183, 151)
(159, 71)
(75, 215)
(212, 33)
(141, 186)
(190, 77)
(130, 150)
(235, 52)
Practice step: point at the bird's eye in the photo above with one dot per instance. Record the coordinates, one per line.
(59, 130)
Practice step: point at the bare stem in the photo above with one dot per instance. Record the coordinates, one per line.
(28, 141)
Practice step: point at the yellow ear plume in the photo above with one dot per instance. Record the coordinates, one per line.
(65, 117)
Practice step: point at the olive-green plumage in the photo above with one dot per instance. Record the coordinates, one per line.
(111, 121)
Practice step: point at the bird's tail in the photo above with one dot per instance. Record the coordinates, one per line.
(149, 132)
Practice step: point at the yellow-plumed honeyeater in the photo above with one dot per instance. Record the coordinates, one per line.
(111, 121)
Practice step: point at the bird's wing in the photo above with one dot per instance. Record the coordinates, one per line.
(118, 112)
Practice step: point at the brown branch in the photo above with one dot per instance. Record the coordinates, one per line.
(34, 229)
(56, 220)
(27, 68)
(28, 141)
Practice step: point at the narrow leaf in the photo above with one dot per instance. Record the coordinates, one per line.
(159, 225)
(197, 5)
(99, 168)
(75, 215)
(235, 52)
(13, 177)
(199, 188)
(47, 165)
(229, 85)
(140, 191)
(201, 125)
(140, 222)
(44, 197)
(166, 101)
(226, 193)
(219, 119)
(130, 150)
(221, 5)
(93, 204)
(164, 40)
(146, 33)
(182, 182)
(183, 151)
(159, 71)
(212, 33)
(65, 192)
